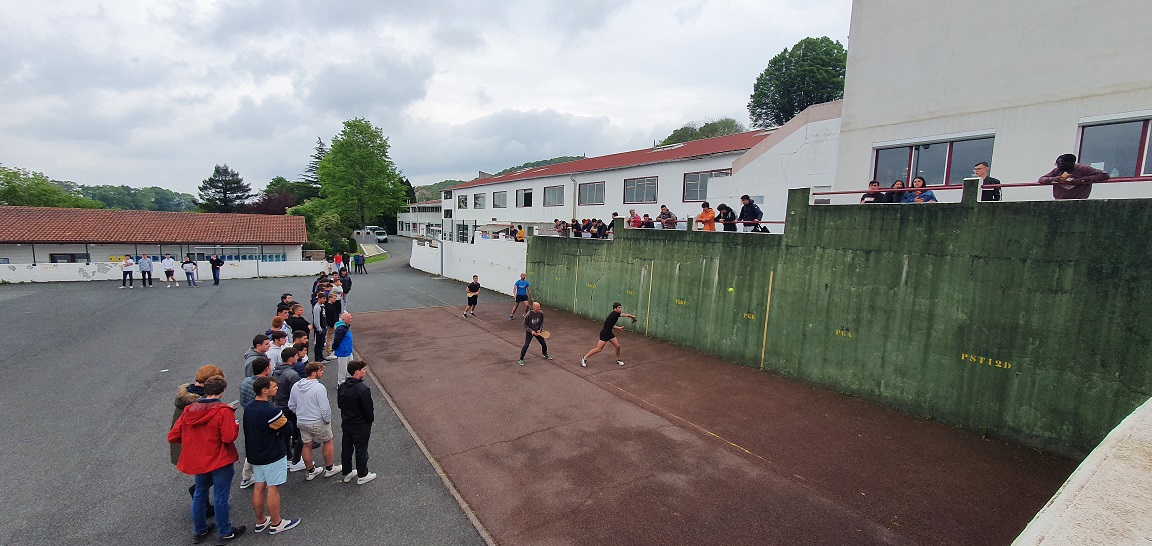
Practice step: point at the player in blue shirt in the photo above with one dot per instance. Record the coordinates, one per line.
(523, 294)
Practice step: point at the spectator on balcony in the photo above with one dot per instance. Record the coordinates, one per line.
(520, 234)
(667, 218)
(647, 222)
(1071, 180)
(919, 193)
(751, 213)
(577, 229)
(895, 196)
(872, 196)
(707, 217)
(726, 216)
(981, 172)
(634, 219)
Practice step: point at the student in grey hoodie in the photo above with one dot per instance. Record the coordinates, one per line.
(260, 346)
(309, 401)
(285, 378)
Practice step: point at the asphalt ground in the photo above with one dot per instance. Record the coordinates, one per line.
(88, 375)
(679, 447)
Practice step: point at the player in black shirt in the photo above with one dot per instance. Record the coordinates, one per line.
(473, 292)
(606, 334)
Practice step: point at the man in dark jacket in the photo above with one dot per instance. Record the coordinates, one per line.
(750, 213)
(207, 429)
(354, 399)
(346, 284)
(285, 376)
(216, 262)
(981, 172)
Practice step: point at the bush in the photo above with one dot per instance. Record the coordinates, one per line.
(313, 245)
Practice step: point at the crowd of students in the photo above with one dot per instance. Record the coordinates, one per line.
(286, 415)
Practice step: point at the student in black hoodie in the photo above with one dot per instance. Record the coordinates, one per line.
(354, 399)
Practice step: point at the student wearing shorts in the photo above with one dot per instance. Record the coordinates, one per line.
(473, 293)
(263, 447)
(523, 294)
(309, 401)
(607, 335)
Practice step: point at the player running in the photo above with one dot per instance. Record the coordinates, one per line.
(473, 293)
(523, 294)
(606, 334)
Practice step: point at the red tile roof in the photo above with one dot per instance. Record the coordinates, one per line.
(647, 156)
(432, 202)
(59, 225)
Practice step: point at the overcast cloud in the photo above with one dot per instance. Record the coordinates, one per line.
(147, 93)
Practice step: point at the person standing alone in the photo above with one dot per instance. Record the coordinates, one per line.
(216, 262)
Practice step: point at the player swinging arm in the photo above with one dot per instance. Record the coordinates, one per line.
(607, 335)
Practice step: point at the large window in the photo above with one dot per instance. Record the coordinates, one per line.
(523, 198)
(938, 162)
(696, 184)
(461, 201)
(553, 196)
(499, 199)
(478, 200)
(1119, 149)
(591, 193)
(640, 190)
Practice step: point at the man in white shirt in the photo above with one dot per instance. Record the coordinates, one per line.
(127, 268)
(169, 266)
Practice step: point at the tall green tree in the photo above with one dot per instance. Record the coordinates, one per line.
(311, 175)
(810, 73)
(25, 188)
(224, 191)
(357, 176)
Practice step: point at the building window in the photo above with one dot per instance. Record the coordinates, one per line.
(462, 201)
(640, 190)
(591, 193)
(553, 196)
(1119, 149)
(478, 200)
(696, 184)
(462, 233)
(499, 199)
(67, 258)
(937, 162)
(447, 213)
(523, 198)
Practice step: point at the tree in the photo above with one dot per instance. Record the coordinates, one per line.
(432, 191)
(710, 129)
(311, 175)
(300, 191)
(810, 73)
(357, 176)
(24, 188)
(224, 191)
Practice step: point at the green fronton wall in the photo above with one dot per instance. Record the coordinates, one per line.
(1028, 321)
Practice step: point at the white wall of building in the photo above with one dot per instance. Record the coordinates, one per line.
(800, 154)
(670, 191)
(419, 222)
(498, 262)
(1030, 74)
(108, 271)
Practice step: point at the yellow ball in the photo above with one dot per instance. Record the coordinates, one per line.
(730, 289)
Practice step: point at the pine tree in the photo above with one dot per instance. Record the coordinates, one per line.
(224, 191)
(311, 176)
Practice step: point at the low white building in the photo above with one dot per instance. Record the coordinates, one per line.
(677, 175)
(420, 220)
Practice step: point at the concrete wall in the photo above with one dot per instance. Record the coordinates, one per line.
(985, 67)
(104, 271)
(498, 262)
(1026, 320)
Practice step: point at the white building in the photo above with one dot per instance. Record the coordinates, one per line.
(420, 220)
(677, 175)
(967, 78)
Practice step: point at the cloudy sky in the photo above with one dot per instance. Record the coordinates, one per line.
(157, 93)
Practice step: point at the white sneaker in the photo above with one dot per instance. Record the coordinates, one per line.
(348, 477)
(335, 470)
(316, 471)
(285, 524)
(367, 478)
(583, 362)
(296, 467)
(331, 357)
(245, 484)
(620, 362)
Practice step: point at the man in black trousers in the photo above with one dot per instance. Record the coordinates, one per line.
(354, 399)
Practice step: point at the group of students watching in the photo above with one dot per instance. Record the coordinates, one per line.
(917, 193)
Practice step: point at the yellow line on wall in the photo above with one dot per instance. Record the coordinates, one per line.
(648, 312)
(767, 308)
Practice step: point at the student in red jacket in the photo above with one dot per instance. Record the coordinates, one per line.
(207, 430)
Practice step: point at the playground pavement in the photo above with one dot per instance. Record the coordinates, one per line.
(678, 447)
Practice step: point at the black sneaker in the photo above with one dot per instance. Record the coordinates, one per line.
(235, 534)
(197, 538)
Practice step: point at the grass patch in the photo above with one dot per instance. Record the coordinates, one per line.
(376, 258)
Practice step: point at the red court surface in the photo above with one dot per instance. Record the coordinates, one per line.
(679, 447)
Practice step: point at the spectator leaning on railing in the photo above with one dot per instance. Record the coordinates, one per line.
(895, 196)
(726, 216)
(981, 172)
(872, 196)
(666, 217)
(707, 217)
(1071, 180)
(750, 212)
